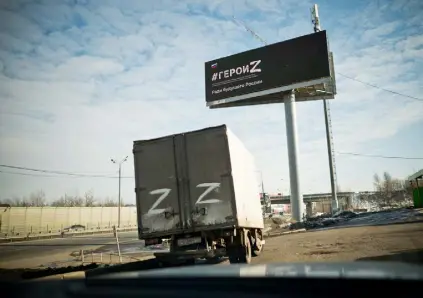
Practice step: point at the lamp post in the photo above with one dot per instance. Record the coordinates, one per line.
(262, 184)
(265, 200)
(120, 172)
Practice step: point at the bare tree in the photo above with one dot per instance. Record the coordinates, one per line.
(89, 199)
(61, 202)
(389, 191)
(377, 183)
(20, 202)
(108, 202)
(387, 183)
(78, 201)
(68, 201)
(37, 199)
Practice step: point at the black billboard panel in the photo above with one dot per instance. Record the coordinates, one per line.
(294, 63)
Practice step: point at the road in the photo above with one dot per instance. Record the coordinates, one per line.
(360, 237)
(63, 248)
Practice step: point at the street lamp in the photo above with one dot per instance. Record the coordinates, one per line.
(120, 171)
(262, 184)
(265, 200)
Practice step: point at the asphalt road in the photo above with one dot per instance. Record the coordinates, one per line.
(45, 247)
(33, 253)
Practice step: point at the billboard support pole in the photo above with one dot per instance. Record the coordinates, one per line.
(335, 205)
(292, 140)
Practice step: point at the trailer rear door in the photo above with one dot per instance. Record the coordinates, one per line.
(156, 186)
(210, 182)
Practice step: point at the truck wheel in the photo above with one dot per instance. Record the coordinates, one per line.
(246, 252)
(257, 247)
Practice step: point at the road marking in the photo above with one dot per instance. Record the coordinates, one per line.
(102, 235)
(28, 241)
(27, 244)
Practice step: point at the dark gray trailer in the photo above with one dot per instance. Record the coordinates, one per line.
(198, 189)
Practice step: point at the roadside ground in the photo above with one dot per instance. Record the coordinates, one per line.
(393, 242)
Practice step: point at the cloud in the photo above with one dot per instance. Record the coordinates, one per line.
(80, 81)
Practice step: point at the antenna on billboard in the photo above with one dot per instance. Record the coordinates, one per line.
(238, 22)
(315, 20)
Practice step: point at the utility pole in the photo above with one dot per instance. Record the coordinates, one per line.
(120, 176)
(329, 138)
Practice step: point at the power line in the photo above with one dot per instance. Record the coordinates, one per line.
(58, 173)
(28, 174)
(62, 174)
(378, 156)
(53, 172)
(383, 89)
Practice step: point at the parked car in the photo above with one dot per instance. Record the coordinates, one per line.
(74, 228)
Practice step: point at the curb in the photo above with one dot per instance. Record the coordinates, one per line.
(286, 233)
(69, 275)
(58, 235)
(295, 231)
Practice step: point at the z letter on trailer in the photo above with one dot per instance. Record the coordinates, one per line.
(164, 193)
(210, 188)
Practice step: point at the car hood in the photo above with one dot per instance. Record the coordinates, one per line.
(350, 270)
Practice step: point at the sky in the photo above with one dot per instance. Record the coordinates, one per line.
(81, 80)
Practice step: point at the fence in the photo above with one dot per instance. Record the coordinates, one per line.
(16, 221)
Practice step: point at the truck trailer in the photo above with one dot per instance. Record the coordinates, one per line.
(199, 191)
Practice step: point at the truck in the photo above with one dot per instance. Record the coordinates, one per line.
(198, 190)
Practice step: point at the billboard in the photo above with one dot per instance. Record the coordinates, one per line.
(262, 75)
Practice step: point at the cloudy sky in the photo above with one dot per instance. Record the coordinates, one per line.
(81, 80)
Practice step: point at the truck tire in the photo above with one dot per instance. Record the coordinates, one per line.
(257, 249)
(245, 257)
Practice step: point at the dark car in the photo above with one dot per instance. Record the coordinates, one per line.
(74, 228)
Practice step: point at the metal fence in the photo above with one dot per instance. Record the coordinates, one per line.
(16, 221)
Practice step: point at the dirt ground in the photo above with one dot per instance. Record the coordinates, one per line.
(395, 242)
